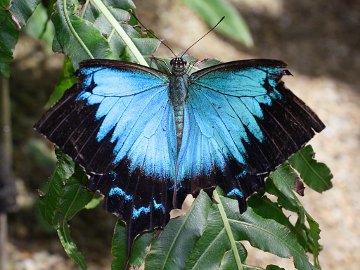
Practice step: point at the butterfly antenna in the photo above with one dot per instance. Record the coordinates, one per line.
(162, 42)
(203, 35)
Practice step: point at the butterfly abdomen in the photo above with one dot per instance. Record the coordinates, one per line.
(178, 93)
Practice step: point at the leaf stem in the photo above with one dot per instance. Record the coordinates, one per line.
(170, 249)
(100, 5)
(73, 31)
(228, 230)
(111, 35)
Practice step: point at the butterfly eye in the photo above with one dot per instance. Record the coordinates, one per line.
(171, 62)
(185, 63)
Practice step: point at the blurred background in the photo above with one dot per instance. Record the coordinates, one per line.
(319, 40)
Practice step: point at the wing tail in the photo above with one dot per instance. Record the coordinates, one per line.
(142, 202)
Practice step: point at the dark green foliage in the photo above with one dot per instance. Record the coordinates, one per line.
(315, 174)
(8, 39)
(215, 242)
(119, 247)
(274, 267)
(281, 184)
(23, 9)
(76, 37)
(174, 245)
(13, 16)
(40, 27)
(66, 81)
(65, 196)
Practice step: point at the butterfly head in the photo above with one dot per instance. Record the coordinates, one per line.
(178, 66)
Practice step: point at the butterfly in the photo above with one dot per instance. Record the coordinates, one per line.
(148, 138)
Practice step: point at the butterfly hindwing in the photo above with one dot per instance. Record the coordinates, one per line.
(240, 123)
(117, 122)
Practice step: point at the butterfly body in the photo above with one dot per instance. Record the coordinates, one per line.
(178, 92)
(147, 138)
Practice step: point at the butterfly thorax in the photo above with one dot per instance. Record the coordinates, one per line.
(178, 94)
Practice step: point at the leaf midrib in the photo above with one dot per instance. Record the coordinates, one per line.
(177, 235)
(208, 247)
(73, 31)
(245, 224)
(225, 220)
(314, 171)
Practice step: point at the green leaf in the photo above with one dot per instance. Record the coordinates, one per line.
(229, 262)
(216, 240)
(67, 79)
(39, 26)
(265, 234)
(95, 202)
(23, 9)
(313, 235)
(75, 196)
(273, 267)
(123, 4)
(101, 22)
(221, 229)
(315, 174)
(12, 18)
(76, 37)
(139, 249)
(119, 247)
(233, 25)
(265, 208)
(66, 196)
(145, 44)
(120, 31)
(8, 38)
(49, 202)
(69, 245)
(173, 247)
(281, 182)
(4, 4)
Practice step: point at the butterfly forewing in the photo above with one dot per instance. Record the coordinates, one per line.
(240, 123)
(117, 122)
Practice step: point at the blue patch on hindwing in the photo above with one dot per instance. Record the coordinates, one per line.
(235, 192)
(146, 209)
(119, 192)
(242, 174)
(138, 211)
(158, 206)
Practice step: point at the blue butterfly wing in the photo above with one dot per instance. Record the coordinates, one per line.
(117, 122)
(240, 122)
